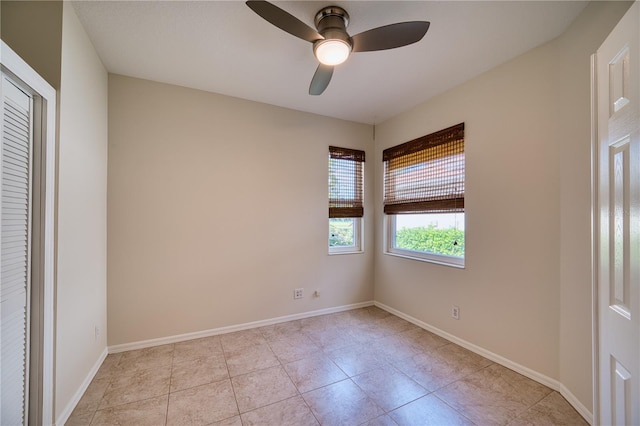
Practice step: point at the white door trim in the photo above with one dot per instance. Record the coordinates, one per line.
(594, 233)
(12, 64)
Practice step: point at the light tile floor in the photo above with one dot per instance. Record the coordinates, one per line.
(363, 366)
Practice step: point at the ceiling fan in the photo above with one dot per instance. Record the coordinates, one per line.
(332, 45)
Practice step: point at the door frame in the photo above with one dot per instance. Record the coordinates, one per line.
(45, 131)
(595, 345)
(595, 229)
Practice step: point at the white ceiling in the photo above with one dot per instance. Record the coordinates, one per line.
(224, 47)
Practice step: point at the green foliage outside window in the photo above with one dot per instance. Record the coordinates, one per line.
(449, 242)
(432, 240)
(341, 233)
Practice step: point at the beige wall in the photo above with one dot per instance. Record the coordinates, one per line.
(508, 292)
(33, 29)
(218, 210)
(525, 291)
(82, 198)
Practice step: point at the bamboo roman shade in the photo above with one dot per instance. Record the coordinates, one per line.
(345, 182)
(426, 175)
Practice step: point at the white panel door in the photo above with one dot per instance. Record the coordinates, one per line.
(618, 235)
(15, 218)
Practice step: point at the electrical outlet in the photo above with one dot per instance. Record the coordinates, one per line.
(298, 293)
(96, 332)
(455, 312)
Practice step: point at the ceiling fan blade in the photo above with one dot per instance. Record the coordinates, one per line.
(390, 36)
(284, 20)
(320, 79)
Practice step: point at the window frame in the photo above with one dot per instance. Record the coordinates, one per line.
(391, 249)
(345, 207)
(357, 246)
(417, 206)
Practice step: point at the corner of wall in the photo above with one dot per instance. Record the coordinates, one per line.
(81, 215)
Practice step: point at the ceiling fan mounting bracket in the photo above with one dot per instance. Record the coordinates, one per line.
(331, 17)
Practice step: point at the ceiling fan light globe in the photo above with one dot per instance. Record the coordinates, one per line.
(332, 51)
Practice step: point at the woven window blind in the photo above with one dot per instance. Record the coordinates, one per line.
(345, 182)
(426, 175)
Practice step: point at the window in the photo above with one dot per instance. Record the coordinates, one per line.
(424, 182)
(346, 207)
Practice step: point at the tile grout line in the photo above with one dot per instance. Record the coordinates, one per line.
(298, 390)
(282, 365)
(109, 381)
(454, 408)
(173, 357)
(233, 389)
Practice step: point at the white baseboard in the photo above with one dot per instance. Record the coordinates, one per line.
(64, 416)
(525, 371)
(579, 406)
(222, 330)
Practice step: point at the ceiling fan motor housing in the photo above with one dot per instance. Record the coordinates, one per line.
(332, 23)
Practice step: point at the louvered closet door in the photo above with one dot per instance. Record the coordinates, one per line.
(14, 238)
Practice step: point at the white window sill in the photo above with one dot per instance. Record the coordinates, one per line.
(345, 250)
(438, 260)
